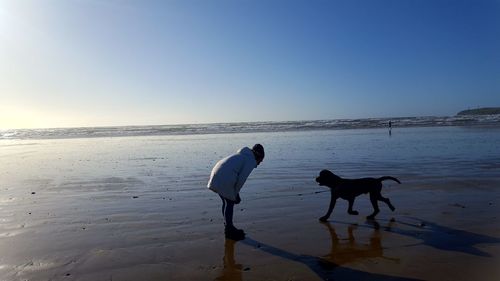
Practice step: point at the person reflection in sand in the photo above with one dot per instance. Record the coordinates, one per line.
(346, 251)
(231, 270)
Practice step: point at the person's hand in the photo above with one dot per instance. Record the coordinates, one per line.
(238, 199)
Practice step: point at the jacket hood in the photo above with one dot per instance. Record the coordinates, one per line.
(246, 151)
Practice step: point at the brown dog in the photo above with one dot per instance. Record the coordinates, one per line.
(349, 189)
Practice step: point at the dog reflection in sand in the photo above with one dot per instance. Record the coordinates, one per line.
(346, 251)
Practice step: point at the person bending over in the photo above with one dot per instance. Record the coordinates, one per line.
(227, 179)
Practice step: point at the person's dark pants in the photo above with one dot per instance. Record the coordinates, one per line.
(227, 212)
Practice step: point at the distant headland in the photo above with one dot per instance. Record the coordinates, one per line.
(481, 111)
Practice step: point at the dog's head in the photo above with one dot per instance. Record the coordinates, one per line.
(327, 178)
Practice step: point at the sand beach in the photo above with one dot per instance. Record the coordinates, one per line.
(137, 208)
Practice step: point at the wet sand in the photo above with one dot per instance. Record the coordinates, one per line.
(434, 234)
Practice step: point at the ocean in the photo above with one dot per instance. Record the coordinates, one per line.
(249, 127)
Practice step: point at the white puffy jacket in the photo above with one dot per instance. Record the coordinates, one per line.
(230, 173)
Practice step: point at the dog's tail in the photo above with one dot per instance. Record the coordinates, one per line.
(389, 178)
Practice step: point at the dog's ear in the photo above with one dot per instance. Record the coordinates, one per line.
(325, 173)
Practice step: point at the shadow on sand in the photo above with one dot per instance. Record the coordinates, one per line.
(327, 267)
(445, 238)
(437, 236)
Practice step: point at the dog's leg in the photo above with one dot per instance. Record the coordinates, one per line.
(387, 201)
(333, 199)
(373, 199)
(350, 211)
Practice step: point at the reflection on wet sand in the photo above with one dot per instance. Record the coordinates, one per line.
(346, 252)
(231, 270)
(327, 267)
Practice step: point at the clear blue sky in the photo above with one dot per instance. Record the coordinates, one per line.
(97, 63)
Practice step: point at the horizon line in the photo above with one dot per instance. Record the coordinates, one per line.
(213, 123)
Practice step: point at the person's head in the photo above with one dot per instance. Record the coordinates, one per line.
(258, 152)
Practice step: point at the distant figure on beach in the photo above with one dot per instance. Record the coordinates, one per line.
(227, 179)
(390, 127)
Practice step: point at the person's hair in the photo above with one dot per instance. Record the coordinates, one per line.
(258, 149)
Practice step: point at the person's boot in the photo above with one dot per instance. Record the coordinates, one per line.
(233, 228)
(239, 231)
(234, 233)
